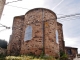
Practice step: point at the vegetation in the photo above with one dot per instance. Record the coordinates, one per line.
(2, 56)
(27, 57)
(63, 56)
(23, 57)
(3, 44)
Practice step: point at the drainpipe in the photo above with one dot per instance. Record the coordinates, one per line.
(43, 32)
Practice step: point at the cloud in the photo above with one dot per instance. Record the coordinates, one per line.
(51, 3)
(73, 42)
(66, 7)
(58, 4)
(71, 28)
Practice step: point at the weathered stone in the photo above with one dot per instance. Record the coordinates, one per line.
(44, 25)
(35, 18)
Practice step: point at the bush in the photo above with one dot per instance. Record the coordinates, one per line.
(2, 56)
(3, 44)
(63, 56)
(24, 57)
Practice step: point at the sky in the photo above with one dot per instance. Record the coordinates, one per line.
(71, 25)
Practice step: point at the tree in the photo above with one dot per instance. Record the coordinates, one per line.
(3, 44)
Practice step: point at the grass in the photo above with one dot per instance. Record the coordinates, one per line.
(26, 57)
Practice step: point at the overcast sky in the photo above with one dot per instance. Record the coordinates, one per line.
(71, 25)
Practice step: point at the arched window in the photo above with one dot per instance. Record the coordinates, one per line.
(57, 41)
(28, 33)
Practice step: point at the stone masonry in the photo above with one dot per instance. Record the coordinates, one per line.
(60, 37)
(44, 25)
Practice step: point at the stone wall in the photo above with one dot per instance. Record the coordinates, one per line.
(14, 45)
(34, 18)
(60, 37)
(44, 25)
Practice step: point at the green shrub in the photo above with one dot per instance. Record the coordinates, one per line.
(27, 57)
(2, 56)
(63, 56)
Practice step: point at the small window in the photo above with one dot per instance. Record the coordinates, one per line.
(28, 33)
(57, 41)
(69, 51)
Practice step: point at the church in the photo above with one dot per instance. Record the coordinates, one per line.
(38, 31)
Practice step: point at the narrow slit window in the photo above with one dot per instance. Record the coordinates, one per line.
(28, 33)
(57, 41)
